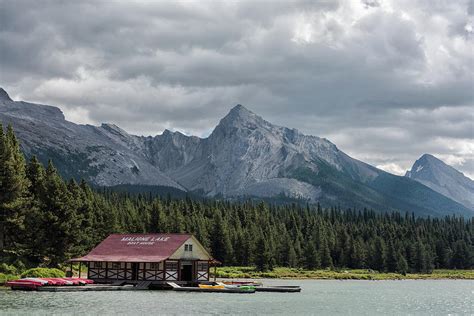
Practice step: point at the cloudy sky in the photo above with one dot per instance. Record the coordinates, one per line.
(386, 81)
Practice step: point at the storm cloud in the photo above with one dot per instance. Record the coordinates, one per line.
(386, 81)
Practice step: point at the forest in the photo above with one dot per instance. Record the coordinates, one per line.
(45, 220)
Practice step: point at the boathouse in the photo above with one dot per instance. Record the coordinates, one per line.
(148, 257)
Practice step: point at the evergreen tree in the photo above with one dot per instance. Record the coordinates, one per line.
(379, 255)
(311, 255)
(402, 265)
(220, 241)
(263, 257)
(63, 222)
(325, 255)
(14, 197)
(462, 256)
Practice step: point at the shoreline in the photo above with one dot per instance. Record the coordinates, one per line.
(346, 274)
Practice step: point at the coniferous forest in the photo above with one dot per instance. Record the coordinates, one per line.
(45, 220)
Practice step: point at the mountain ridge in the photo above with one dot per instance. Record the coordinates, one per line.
(244, 156)
(444, 179)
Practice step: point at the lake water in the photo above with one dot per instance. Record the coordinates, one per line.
(318, 297)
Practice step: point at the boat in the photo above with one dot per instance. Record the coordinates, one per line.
(209, 286)
(79, 281)
(252, 283)
(56, 281)
(24, 284)
(35, 283)
(43, 282)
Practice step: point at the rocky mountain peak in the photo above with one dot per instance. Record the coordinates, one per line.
(443, 179)
(421, 166)
(239, 115)
(429, 158)
(4, 95)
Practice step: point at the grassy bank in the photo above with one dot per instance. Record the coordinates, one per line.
(290, 273)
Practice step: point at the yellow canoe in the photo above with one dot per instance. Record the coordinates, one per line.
(205, 286)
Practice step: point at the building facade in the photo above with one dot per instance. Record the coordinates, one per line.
(148, 257)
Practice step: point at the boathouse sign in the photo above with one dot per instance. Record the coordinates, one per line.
(143, 240)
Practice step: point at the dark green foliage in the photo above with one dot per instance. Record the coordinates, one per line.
(46, 220)
(14, 196)
(264, 260)
(43, 273)
(402, 265)
(312, 260)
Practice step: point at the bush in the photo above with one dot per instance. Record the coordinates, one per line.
(7, 269)
(4, 278)
(43, 273)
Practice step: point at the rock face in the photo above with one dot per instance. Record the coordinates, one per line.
(245, 156)
(105, 155)
(443, 179)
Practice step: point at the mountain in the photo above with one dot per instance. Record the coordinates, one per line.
(245, 156)
(105, 155)
(443, 179)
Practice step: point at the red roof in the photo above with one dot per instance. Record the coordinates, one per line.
(136, 248)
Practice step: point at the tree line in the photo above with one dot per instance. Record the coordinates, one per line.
(45, 220)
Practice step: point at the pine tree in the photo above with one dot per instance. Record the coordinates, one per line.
(325, 255)
(462, 257)
(402, 265)
(37, 227)
(311, 255)
(392, 257)
(379, 255)
(14, 196)
(220, 241)
(263, 257)
(64, 224)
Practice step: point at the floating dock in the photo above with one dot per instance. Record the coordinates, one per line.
(91, 287)
(79, 285)
(176, 287)
(282, 289)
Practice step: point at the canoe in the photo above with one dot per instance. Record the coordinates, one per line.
(24, 284)
(253, 283)
(79, 281)
(206, 286)
(56, 281)
(72, 281)
(43, 282)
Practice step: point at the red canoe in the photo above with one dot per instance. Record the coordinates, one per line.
(24, 284)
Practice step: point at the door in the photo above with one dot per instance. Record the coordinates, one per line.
(187, 272)
(134, 271)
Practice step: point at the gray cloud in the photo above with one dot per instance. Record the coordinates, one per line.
(384, 80)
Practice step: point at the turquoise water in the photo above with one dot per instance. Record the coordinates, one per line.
(318, 297)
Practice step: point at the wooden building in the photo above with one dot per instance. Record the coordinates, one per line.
(148, 257)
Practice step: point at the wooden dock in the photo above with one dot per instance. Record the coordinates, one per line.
(91, 287)
(281, 289)
(145, 285)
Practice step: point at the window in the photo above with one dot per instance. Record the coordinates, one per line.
(188, 247)
(155, 266)
(98, 265)
(171, 266)
(202, 266)
(116, 265)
